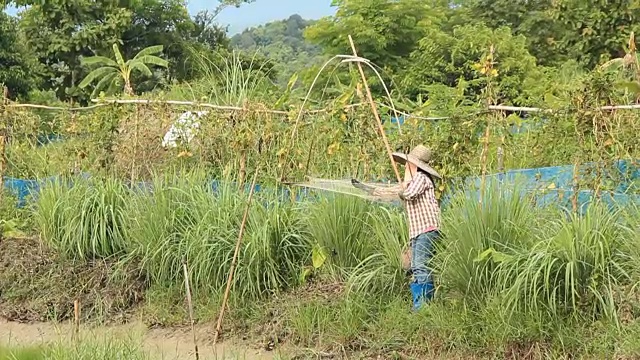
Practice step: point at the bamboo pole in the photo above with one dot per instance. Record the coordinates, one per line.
(102, 102)
(375, 112)
(576, 188)
(3, 137)
(485, 149)
(190, 305)
(235, 259)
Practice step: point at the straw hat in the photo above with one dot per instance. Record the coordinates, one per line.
(419, 156)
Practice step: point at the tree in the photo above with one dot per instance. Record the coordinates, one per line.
(594, 31)
(533, 19)
(110, 72)
(283, 43)
(167, 23)
(60, 31)
(561, 30)
(385, 32)
(18, 67)
(451, 58)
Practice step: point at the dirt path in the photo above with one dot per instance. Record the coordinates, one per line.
(166, 344)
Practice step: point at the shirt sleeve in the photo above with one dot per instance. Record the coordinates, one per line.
(417, 186)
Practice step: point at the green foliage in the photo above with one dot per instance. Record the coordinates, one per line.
(59, 33)
(107, 349)
(191, 223)
(85, 221)
(111, 72)
(282, 42)
(453, 59)
(19, 68)
(386, 32)
(594, 33)
(557, 31)
(536, 261)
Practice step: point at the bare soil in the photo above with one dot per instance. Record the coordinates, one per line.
(158, 343)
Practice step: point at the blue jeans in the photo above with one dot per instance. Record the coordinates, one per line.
(422, 251)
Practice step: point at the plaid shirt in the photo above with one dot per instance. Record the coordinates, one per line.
(422, 207)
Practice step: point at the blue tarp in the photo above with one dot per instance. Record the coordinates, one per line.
(551, 185)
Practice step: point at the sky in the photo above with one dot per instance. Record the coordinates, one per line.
(259, 12)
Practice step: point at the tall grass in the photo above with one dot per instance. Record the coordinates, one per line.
(477, 237)
(339, 226)
(536, 261)
(524, 262)
(187, 220)
(577, 268)
(86, 220)
(233, 79)
(381, 272)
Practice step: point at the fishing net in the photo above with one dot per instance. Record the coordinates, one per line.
(371, 191)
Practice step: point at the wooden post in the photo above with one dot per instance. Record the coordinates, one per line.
(235, 259)
(190, 305)
(135, 145)
(375, 112)
(76, 318)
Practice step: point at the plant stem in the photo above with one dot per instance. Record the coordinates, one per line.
(235, 258)
(190, 305)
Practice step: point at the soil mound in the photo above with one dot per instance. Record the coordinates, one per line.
(38, 285)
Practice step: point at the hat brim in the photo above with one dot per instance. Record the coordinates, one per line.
(402, 159)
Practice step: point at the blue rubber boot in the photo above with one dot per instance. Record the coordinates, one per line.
(417, 293)
(421, 293)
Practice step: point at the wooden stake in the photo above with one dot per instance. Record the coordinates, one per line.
(375, 112)
(190, 305)
(235, 259)
(76, 317)
(3, 137)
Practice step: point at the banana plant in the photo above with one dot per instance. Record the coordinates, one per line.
(112, 74)
(629, 67)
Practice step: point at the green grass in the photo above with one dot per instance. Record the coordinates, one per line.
(21, 353)
(86, 220)
(190, 222)
(108, 349)
(514, 279)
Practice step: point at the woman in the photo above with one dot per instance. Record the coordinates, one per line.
(423, 212)
(418, 193)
